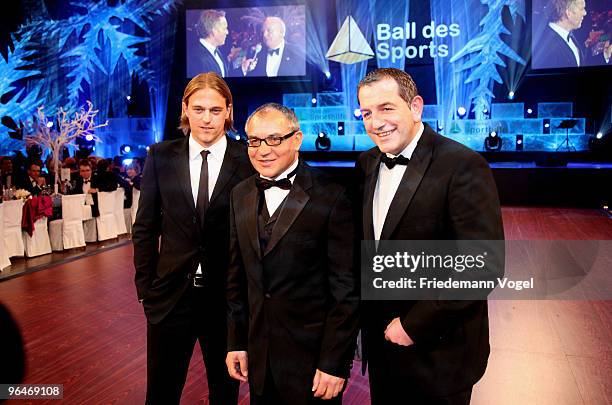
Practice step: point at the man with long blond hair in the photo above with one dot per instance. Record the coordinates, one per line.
(181, 239)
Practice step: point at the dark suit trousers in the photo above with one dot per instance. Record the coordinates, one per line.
(387, 387)
(170, 347)
(272, 395)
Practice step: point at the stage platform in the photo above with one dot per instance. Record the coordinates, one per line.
(551, 179)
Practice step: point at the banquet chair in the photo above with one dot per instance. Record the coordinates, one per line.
(4, 259)
(13, 241)
(118, 211)
(72, 216)
(38, 244)
(106, 223)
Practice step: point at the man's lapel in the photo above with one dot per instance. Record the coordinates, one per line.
(371, 177)
(181, 165)
(228, 167)
(293, 206)
(249, 208)
(410, 182)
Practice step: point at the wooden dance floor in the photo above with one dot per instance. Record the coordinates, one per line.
(83, 328)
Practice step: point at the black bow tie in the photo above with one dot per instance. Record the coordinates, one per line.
(264, 184)
(274, 51)
(391, 162)
(284, 184)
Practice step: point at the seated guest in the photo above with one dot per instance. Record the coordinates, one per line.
(89, 184)
(134, 175)
(6, 171)
(32, 181)
(107, 180)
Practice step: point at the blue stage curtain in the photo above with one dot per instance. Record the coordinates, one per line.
(451, 89)
(362, 13)
(394, 13)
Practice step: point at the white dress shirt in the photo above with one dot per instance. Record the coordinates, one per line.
(213, 50)
(387, 184)
(274, 195)
(215, 159)
(565, 35)
(273, 61)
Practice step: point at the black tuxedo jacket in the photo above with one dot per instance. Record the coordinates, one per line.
(447, 193)
(292, 62)
(552, 51)
(203, 61)
(295, 304)
(165, 268)
(101, 183)
(24, 182)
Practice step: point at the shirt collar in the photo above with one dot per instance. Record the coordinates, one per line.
(208, 46)
(280, 48)
(217, 150)
(285, 173)
(409, 149)
(559, 30)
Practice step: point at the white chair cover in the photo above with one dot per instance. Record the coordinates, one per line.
(135, 198)
(13, 241)
(127, 215)
(106, 222)
(4, 259)
(55, 235)
(72, 215)
(119, 216)
(39, 243)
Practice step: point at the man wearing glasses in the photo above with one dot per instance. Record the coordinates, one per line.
(292, 293)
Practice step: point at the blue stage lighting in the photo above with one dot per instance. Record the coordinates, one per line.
(529, 111)
(89, 137)
(511, 95)
(129, 98)
(125, 149)
(49, 124)
(237, 137)
(357, 113)
(547, 125)
(327, 74)
(599, 135)
(313, 100)
(461, 111)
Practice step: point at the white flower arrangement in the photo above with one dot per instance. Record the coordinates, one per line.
(22, 194)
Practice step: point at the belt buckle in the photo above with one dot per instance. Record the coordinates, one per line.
(198, 280)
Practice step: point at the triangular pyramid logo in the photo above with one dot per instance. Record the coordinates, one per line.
(349, 46)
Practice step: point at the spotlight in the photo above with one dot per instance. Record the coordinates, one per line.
(49, 124)
(147, 148)
(461, 111)
(485, 111)
(357, 113)
(519, 142)
(599, 135)
(546, 129)
(493, 143)
(127, 162)
(129, 98)
(327, 74)
(529, 111)
(313, 100)
(89, 137)
(125, 149)
(237, 137)
(340, 127)
(323, 143)
(511, 95)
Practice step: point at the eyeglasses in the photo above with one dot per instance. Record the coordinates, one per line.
(270, 141)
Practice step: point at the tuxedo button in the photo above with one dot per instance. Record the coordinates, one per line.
(267, 295)
(194, 219)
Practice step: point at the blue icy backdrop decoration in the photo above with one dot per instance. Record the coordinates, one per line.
(95, 54)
